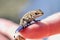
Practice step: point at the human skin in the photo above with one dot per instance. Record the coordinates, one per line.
(46, 27)
(7, 29)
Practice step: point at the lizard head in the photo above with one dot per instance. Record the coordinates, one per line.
(37, 13)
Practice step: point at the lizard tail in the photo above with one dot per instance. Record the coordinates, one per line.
(19, 29)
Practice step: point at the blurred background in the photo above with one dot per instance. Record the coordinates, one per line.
(14, 9)
(9, 9)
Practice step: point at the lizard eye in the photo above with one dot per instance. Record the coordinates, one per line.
(36, 13)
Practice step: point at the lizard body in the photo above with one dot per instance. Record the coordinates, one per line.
(30, 16)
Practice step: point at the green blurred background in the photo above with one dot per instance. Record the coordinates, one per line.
(9, 9)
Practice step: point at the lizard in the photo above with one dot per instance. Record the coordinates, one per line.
(28, 18)
(26, 21)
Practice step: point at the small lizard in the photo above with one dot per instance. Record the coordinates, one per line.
(26, 21)
(28, 18)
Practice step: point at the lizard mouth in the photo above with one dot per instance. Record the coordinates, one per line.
(39, 15)
(36, 16)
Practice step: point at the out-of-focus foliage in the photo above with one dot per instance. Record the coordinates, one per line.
(9, 9)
